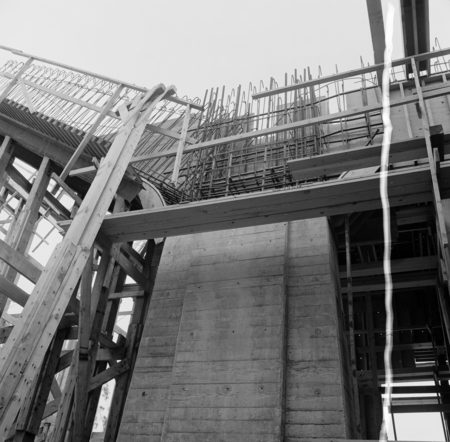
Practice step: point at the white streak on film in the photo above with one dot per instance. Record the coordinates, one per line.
(389, 29)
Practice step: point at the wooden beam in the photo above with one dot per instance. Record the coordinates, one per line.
(6, 151)
(83, 171)
(398, 266)
(23, 228)
(84, 354)
(406, 186)
(181, 143)
(34, 405)
(426, 408)
(377, 284)
(109, 374)
(127, 294)
(338, 162)
(67, 189)
(18, 262)
(170, 133)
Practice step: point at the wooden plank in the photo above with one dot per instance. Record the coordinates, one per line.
(83, 171)
(84, 355)
(127, 294)
(181, 143)
(109, 374)
(167, 133)
(398, 266)
(67, 189)
(312, 201)
(338, 162)
(18, 262)
(6, 151)
(33, 407)
(426, 408)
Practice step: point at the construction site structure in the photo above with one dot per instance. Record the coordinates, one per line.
(220, 261)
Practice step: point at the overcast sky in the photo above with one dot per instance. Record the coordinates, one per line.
(199, 44)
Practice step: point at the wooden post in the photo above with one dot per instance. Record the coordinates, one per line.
(23, 228)
(132, 344)
(30, 416)
(6, 151)
(84, 354)
(181, 143)
(23, 353)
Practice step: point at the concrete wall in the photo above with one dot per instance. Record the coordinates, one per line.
(242, 340)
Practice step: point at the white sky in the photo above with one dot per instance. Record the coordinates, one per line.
(199, 44)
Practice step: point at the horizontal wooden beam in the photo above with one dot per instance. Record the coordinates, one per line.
(127, 294)
(425, 408)
(419, 389)
(109, 374)
(402, 347)
(352, 73)
(338, 162)
(18, 262)
(11, 291)
(406, 186)
(169, 133)
(397, 266)
(377, 284)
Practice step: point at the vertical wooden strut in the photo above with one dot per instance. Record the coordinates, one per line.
(6, 151)
(181, 143)
(351, 324)
(31, 414)
(24, 352)
(132, 343)
(23, 228)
